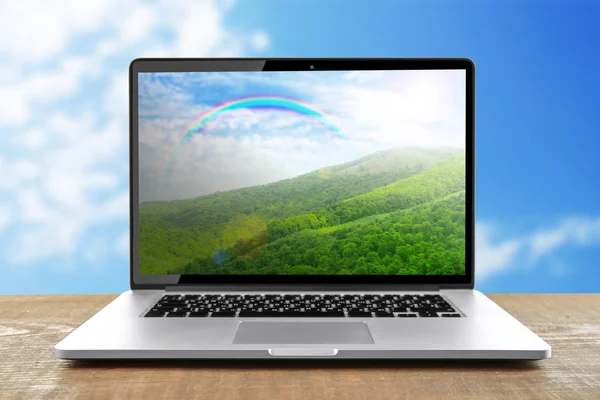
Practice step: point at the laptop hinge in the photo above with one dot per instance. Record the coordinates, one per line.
(300, 288)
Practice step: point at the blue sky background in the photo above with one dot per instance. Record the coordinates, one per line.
(63, 97)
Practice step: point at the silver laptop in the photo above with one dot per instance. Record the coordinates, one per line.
(302, 208)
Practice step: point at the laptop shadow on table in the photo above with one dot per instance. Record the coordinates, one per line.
(465, 365)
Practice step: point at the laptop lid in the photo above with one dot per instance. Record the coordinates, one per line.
(302, 171)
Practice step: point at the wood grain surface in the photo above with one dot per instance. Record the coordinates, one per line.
(31, 325)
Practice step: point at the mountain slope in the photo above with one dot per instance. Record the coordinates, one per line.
(418, 158)
(445, 178)
(174, 233)
(424, 239)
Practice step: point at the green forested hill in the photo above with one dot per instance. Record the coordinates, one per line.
(232, 232)
(428, 239)
(445, 178)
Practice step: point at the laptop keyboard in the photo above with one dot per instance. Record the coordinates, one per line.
(299, 306)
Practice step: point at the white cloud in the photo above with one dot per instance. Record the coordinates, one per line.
(198, 29)
(116, 96)
(48, 84)
(494, 255)
(576, 230)
(18, 173)
(122, 244)
(14, 105)
(260, 40)
(95, 250)
(64, 97)
(118, 206)
(36, 30)
(43, 231)
(34, 139)
(141, 19)
(415, 108)
(5, 216)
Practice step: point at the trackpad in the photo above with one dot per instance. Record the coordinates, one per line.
(282, 332)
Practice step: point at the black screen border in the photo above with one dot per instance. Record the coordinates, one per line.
(146, 281)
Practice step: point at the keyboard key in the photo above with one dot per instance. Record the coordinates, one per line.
(198, 314)
(161, 309)
(359, 314)
(422, 310)
(292, 314)
(155, 314)
(172, 304)
(171, 297)
(384, 314)
(450, 315)
(323, 314)
(176, 315)
(222, 314)
(406, 315)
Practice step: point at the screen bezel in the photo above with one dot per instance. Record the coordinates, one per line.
(144, 281)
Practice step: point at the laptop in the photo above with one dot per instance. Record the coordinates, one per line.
(302, 208)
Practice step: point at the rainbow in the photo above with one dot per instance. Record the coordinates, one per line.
(201, 123)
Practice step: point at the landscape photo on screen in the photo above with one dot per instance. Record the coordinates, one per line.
(320, 172)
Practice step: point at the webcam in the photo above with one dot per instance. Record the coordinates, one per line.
(312, 67)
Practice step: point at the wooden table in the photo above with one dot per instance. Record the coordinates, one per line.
(31, 325)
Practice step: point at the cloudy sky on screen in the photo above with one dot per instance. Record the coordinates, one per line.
(370, 111)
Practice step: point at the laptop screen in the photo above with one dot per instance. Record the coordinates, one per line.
(302, 172)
